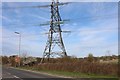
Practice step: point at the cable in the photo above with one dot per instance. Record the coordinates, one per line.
(67, 20)
(44, 6)
(7, 8)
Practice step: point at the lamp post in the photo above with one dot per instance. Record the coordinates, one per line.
(19, 45)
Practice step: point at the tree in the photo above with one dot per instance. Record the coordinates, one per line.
(4, 60)
(24, 55)
(12, 61)
(23, 58)
(90, 57)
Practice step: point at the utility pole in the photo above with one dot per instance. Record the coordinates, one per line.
(54, 35)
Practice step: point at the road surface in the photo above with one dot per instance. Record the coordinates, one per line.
(15, 74)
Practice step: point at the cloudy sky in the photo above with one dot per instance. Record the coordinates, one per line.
(93, 26)
(60, 0)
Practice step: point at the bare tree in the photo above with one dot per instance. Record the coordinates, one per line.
(23, 57)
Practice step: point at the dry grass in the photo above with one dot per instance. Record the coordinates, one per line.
(75, 65)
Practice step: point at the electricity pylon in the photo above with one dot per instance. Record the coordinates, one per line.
(54, 34)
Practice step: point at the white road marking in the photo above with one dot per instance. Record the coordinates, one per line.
(17, 77)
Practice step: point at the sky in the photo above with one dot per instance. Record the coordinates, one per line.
(93, 26)
(60, 0)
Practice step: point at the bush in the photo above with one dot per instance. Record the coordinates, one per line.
(82, 67)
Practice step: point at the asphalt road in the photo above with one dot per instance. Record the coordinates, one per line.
(15, 74)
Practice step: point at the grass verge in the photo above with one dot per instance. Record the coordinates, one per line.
(68, 74)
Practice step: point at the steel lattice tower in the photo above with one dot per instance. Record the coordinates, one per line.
(54, 34)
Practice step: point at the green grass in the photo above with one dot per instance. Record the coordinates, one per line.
(68, 74)
(76, 74)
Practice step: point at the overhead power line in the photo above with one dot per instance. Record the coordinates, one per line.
(66, 20)
(22, 7)
(96, 17)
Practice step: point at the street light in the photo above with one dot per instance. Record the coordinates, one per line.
(19, 44)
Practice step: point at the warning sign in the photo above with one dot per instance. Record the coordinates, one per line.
(17, 59)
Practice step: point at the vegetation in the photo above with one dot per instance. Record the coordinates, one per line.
(67, 73)
(4, 60)
(90, 57)
(88, 66)
(82, 67)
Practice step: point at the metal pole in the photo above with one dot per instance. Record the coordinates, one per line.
(19, 47)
